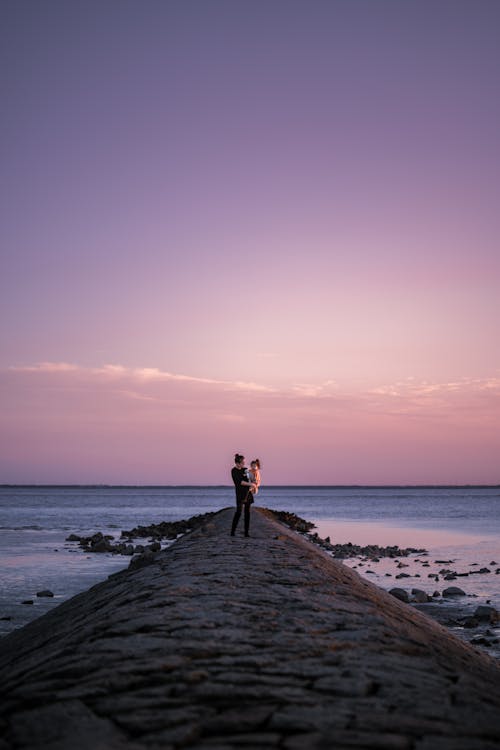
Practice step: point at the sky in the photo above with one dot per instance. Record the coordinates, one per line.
(264, 227)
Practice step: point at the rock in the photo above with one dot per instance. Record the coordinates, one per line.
(400, 594)
(484, 612)
(485, 570)
(420, 596)
(129, 549)
(73, 538)
(403, 575)
(493, 562)
(154, 546)
(471, 622)
(100, 546)
(450, 577)
(480, 640)
(7, 617)
(453, 591)
(146, 558)
(436, 595)
(28, 601)
(138, 549)
(45, 592)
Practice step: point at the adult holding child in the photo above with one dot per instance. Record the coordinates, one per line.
(245, 489)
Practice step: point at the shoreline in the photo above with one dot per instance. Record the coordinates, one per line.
(224, 641)
(365, 559)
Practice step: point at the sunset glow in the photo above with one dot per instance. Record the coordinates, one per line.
(270, 228)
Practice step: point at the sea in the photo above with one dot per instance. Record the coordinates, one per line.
(459, 527)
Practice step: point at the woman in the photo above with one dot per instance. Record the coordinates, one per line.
(242, 485)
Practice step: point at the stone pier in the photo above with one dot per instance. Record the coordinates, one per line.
(226, 642)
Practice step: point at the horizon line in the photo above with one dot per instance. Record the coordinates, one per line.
(271, 486)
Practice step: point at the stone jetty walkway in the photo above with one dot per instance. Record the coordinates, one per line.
(224, 643)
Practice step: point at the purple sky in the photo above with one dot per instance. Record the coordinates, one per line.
(291, 195)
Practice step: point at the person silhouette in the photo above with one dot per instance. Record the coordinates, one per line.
(242, 486)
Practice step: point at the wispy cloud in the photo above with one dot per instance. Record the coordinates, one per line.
(58, 413)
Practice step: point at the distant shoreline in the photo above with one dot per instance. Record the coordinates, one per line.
(271, 486)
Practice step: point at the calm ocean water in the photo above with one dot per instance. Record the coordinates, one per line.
(457, 523)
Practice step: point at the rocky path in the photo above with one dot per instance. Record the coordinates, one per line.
(256, 643)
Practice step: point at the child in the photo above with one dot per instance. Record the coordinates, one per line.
(254, 478)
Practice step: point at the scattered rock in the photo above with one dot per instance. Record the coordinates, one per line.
(28, 601)
(100, 542)
(480, 640)
(100, 546)
(400, 594)
(453, 591)
(403, 575)
(471, 622)
(141, 561)
(420, 596)
(45, 592)
(483, 612)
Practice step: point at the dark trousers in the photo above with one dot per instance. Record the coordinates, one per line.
(237, 515)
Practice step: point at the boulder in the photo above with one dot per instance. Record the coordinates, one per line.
(420, 596)
(400, 594)
(483, 612)
(141, 561)
(45, 592)
(100, 546)
(73, 538)
(471, 622)
(453, 591)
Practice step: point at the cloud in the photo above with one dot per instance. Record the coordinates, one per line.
(57, 414)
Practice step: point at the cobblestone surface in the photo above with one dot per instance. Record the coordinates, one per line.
(226, 642)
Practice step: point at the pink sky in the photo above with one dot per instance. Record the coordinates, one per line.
(270, 228)
(120, 425)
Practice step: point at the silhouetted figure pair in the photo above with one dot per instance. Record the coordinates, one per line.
(245, 490)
